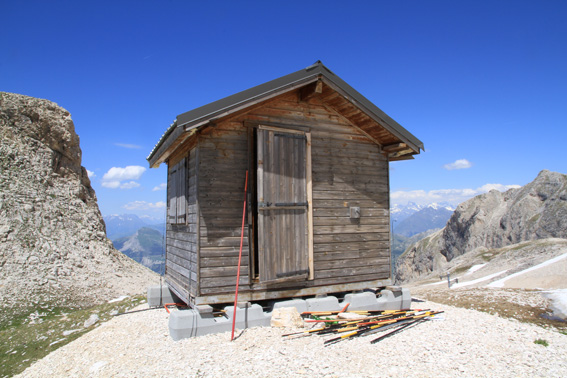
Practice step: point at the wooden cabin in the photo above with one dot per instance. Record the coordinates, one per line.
(317, 214)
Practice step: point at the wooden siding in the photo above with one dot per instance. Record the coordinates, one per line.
(348, 170)
(181, 241)
(223, 151)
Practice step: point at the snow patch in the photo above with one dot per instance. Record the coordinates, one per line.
(558, 302)
(500, 283)
(118, 299)
(473, 282)
(474, 268)
(69, 332)
(56, 341)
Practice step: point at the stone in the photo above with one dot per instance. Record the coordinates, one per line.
(286, 317)
(49, 214)
(91, 320)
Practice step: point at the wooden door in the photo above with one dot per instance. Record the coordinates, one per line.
(282, 205)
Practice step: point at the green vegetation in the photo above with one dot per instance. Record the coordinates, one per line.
(28, 336)
(491, 302)
(541, 342)
(462, 269)
(487, 256)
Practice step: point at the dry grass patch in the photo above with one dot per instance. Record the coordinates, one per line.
(527, 306)
(27, 336)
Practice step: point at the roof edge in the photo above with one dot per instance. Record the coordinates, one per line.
(201, 115)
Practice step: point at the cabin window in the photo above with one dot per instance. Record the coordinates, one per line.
(176, 192)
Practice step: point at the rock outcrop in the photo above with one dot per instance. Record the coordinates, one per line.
(52, 235)
(492, 220)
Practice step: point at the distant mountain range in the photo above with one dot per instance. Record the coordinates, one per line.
(145, 246)
(491, 221)
(119, 226)
(412, 222)
(430, 217)
(138, 239)
(399, 213)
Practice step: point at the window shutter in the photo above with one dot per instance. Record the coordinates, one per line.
(172, 195)
(181, 190)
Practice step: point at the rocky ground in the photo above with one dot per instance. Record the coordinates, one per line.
(465, 342)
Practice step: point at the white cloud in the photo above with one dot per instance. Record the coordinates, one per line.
(91, 174)
(111, 184)
(115, 175)
(501, 188)
(131, 172)
(458, 164)
(162, 186)
(452, 196)
(129, 185)
(127, 145)
(143, 205)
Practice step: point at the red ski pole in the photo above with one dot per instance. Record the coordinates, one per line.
(239, 258)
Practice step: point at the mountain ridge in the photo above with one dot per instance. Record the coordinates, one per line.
(146, 246)
(122, 225)
(492, 220)
(54, 247)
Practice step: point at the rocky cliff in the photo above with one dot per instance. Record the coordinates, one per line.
(52, 236)
(492, 220)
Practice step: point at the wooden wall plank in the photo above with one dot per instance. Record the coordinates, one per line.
(359, 255)
(347, 170)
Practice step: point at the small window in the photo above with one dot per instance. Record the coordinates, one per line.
(176, 193)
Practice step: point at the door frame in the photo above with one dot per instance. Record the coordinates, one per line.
(253, 197)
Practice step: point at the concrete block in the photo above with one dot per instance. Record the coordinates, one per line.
(323, 304)
(361, 301)
(299, 304)
(406, 299)
(160, 295)
(402, 295)
(191, 323)
(252, 316)
(201, 321)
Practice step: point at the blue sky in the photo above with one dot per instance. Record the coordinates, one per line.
(482, 83)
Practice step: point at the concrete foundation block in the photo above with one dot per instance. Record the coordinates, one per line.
(406, 299)
(251, 316)
(402, 295)
(188, 323)
(361, 301)
(191, 323)
(394, 300)
(160, 295)
(299, 304)
(201, 321)
(323, 304)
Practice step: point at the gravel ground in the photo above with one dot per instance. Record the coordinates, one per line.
(466, 343)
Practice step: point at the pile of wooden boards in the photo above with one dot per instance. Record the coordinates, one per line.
(344, 325)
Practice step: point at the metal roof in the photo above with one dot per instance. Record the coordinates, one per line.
(202, 115)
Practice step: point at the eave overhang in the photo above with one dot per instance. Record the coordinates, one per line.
(187, 123)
